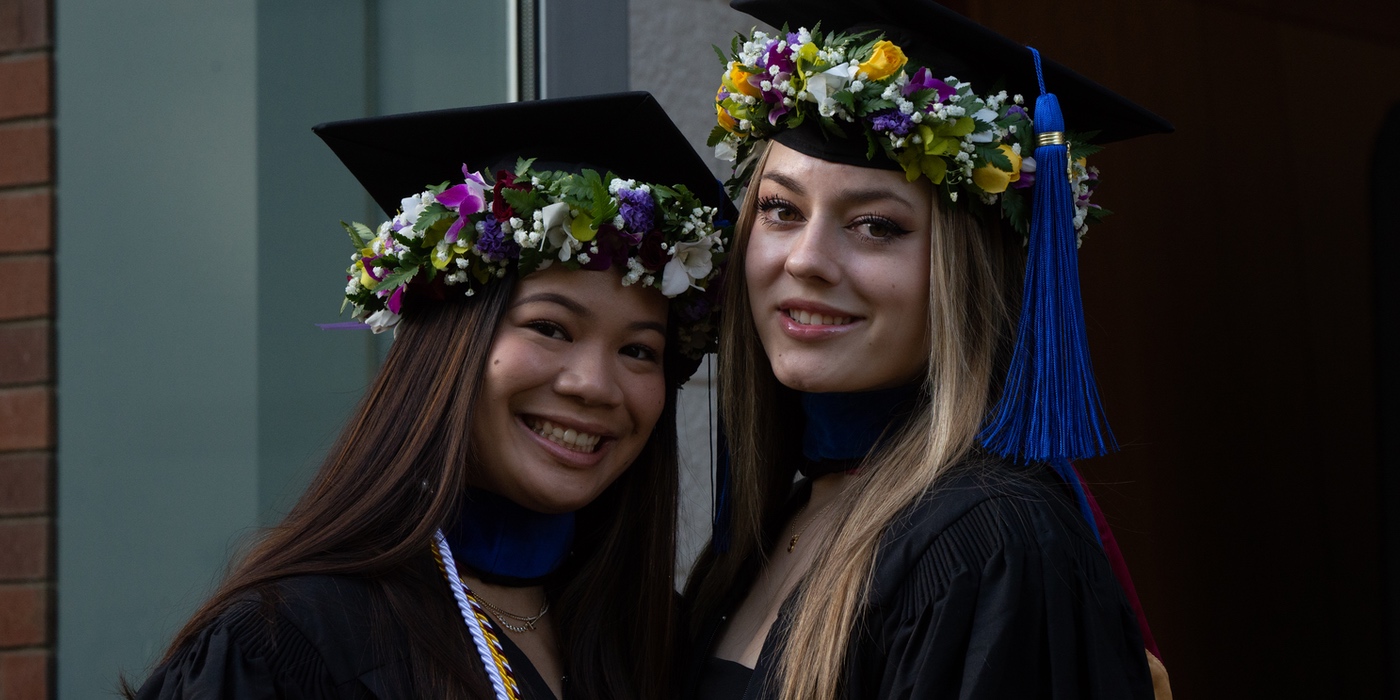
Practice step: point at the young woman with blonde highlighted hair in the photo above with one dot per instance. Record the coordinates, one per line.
(887, 334)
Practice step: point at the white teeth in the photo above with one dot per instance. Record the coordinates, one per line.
(566, 437)
(810, 319)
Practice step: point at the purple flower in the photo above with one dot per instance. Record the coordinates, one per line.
(466, 198)
(773, 56)
(923, 80)
(637, 209)
(892, 120)
(1018, 109)
(495, 243)
(612, 249)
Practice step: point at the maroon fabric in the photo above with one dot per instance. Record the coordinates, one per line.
(1120, 568)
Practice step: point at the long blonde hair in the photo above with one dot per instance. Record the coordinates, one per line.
(973, 291)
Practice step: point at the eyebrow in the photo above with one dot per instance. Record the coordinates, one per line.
(583, 312)
(853, 196)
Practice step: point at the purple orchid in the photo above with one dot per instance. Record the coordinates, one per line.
(465, 199)
(923, 80)
(395, 303)
(893, 121)
(637, 209)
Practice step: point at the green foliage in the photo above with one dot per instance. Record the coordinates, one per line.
(989, 153)
(522, 166)
(1080, 146)
(523, 201)
(717, 134)
(432, 214)
(1013, 207)
(398, 277)
(360, 234)
(723, 60)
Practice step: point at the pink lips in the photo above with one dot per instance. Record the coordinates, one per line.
(813, 331)
(568, 457)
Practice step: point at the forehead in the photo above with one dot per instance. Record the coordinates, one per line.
(598, 294)
(806, 174)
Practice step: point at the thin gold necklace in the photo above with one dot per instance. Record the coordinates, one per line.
(529, 621)
(792, 543)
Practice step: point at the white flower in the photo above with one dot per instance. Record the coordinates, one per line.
(691, 261)
(556, 219)
(985, 115)
(822, 86)
(982, 136)
(724, 150)
(382, 320)
(1028, 164)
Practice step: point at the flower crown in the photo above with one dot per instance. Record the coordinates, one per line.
(468, 234)
(939, 129)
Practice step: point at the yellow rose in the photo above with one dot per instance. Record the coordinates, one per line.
(884, 61)
(994, 180)
(738, 81)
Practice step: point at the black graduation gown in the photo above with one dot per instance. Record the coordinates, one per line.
(991, 586)
(312, 642)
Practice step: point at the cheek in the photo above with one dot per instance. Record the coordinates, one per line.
(646, 395)
(763, 259)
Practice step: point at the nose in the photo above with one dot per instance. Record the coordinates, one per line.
(590, 376)
(814, 255)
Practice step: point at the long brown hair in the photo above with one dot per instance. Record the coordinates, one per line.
(397, 473)
(973, 291)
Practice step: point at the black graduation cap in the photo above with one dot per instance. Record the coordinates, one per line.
(626, 133)
(951, 44)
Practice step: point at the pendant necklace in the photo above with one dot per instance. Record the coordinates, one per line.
(488, 645)
(528, 621)
(792, 544)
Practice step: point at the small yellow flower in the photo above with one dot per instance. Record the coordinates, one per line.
(738, 81)
(726, 120)
(884, 61)
(994, 180)
(582, 228)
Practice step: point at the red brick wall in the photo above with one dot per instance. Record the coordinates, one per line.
(26, 350)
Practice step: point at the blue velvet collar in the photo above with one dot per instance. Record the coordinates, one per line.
(504, 543)
(842, 428)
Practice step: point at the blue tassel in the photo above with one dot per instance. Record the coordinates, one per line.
(1049, 409)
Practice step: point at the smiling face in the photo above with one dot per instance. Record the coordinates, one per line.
(572, 389)
(837, 267)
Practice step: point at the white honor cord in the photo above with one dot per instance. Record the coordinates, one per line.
(459, 591)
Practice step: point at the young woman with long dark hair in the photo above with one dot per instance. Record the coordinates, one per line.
(497, 518)
(889, 335)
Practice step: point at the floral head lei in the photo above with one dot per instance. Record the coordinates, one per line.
(465, 235)
(939, 129)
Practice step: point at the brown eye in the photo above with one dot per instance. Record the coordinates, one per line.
(780, 210)
(880, 228)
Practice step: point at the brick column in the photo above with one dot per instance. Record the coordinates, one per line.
(26, 350)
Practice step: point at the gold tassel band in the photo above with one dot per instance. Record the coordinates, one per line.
(1050, 138)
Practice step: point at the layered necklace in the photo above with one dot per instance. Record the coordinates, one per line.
(506, 544)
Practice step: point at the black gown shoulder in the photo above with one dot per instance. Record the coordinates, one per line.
(994, 586)
(303, 637)
(990, 586)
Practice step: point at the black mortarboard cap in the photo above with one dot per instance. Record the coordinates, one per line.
(951, 44)
(626, 133)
